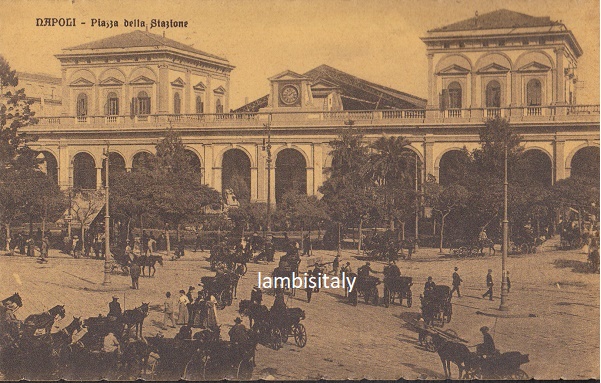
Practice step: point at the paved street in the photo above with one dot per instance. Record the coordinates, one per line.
(346, 341)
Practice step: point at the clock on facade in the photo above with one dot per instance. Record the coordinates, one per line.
(289, 94)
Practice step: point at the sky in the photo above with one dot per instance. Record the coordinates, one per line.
(375, 40)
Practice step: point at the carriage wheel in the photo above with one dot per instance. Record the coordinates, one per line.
(284, 334)
(376, 297)
(245, 369)
(366, 296)
(275, 337)
(300, 335)
(519, 375)
(387, 297)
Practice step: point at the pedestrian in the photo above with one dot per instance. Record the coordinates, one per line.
(44, 249)
(182, 317)
(456, 282)
(168, 310)
(190, 305)
(336, 264)
(134, 272)
(211, 317)
(152, 244)
(30, 247)
(198, 241)
(508, 282)
(489, 284)
(306, 244)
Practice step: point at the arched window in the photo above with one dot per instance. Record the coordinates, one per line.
(534, 93)
(493, 94)
(142, 104)
(218, 107)
(112, 104)
(177, 104)
(82, 104)
(199, 105)
(455, 95)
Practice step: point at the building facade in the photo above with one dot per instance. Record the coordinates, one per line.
(127, 89)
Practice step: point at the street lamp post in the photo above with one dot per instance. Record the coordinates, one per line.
(417, 201)
(503, 306)
(107, 246)
(267, 148)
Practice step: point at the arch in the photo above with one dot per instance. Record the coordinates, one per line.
(290, 173)
(197, 154)
(493, 94)
(112, 72)
(534, 92)
(486, 59)
(535, 167)
(522, 59)
(194, 159)
(141, 159)
(584, 162)
(49, 164)
(451, 166)
(82, 73)
(116, 166)
(219, 158)
(297, 148)
(447, 61)
(177, 103)
(84, 171)
(235, 173)
(143, 70)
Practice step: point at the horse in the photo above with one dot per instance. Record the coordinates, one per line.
(253, 311)
(15, 298)
(44, 320)
(149, 261)
(452, 352)
(135, 317)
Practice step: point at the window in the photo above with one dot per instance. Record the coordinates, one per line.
(484, 43)
(218, 106)
(454, 95)
(112, 104)
(542, 41)
(445, 45)
(461, 44)
(142, 104)
(177, 104)
(534, 93)
(501, 43)
(82, 104)
(525, 42)
(199, 105)
(493, 94)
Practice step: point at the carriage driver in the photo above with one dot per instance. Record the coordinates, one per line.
(238, 333)
(111, 350)
(114, 308)
(363, 271)
(392, 270)
(487, 348)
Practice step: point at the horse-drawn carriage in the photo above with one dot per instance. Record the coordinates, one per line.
(476, 248)
(436, 305)
(505, 365)
(222, 359)
(274, 328)
(365, 286)
(221, 286)
(398, 286)
(288, 265)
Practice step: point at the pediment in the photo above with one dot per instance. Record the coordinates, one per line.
(111, 81)
(178, 82)
(321, 84)
(454, 69)
(200, 86)
(82, 82)
(494, 68)
(142, 80)
(220, 90)
(534, 67)
(288, 75)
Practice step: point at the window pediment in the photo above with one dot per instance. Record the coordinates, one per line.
(178, 82)
(219, 90)
(81, 82)
(493, 68)
(111, 81)
(454, 70)
(141, 80)
(200, 87)
(534, 67)
(287, 75)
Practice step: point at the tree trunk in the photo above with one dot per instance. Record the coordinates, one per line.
(402, 230)
(434, 226)
(360, 236)
(167, 241)
(83, 243)
(441, 231)
(30, 226)
(7, 227)
(177, 232)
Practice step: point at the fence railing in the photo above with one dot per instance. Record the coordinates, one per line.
(326, 118)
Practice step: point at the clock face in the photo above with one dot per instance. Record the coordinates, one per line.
(289, 94)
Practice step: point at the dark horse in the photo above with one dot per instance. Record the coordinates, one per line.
(15, 298)
(135, 317)
(452, 352)
(149, 261)
(44, 320)
(253, 310)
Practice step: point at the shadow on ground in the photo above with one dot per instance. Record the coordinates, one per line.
(576, 266)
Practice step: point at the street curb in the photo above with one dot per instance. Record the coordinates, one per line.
(506, 314)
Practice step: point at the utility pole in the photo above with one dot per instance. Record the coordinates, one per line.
(267, 149)
(107, 246)
(503, 306)
(417, 203)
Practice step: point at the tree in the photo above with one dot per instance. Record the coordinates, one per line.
(303, 211)
(445, 200)
(85, 206)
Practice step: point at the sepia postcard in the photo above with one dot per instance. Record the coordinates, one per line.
(299, 190)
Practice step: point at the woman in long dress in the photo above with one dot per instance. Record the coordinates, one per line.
(211, 318)
(182, 317)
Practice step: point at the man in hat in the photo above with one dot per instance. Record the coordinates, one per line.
(238, 333)
(134, 272)
(364, 270)
(115, 308)
(489, 284)
(256, 295)
(168, 310)
(456, 282)
(487, 348)
(429, 285)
